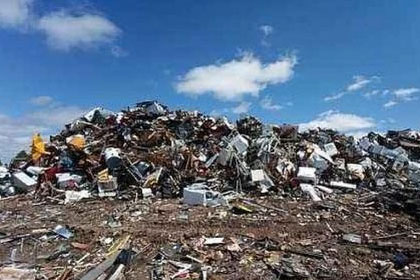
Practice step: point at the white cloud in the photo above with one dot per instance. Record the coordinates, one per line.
(390, 104)
(405, 94)
(388, 121)
(346, 123)
(55, 117)
(401, 95)
(266, 29)
(267, 103)
(15, 13)
(65, 31)
(41, 100)
(385, 92)
(359, 82)
(16, 132)
(371, 93)
(235, 79)
(335, 96)
(242, 108)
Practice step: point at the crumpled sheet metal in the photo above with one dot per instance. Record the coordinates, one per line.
(181, 148)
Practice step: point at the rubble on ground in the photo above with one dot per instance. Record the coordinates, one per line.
(149, 193)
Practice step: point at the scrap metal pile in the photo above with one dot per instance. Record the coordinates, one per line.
(149, 152)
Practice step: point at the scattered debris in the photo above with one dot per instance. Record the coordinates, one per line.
(150, 193)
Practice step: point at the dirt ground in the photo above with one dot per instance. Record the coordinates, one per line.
(281, 238)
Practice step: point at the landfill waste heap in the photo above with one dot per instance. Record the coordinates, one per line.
(149, 193)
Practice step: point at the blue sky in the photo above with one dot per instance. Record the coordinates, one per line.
(349, 65)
